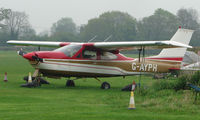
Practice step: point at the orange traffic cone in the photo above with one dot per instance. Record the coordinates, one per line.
(132, 101)
(5, 77)
(29, 78)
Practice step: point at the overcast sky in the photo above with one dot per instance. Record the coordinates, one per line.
(43, 13)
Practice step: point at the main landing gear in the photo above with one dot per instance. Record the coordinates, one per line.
(104, 85)
(71, 83)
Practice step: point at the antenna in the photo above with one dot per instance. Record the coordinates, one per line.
(107, 38)
(92, 38)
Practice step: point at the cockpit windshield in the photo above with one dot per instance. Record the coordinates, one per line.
(69, 50)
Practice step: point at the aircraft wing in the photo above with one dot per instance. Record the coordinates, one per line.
(37, 43)
(139, 45)
(107, 45)
(180, 40)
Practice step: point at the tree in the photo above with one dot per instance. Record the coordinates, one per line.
(17, 24)
(189, 18)
(120, 25)
(4, 15)
(64, 30)
(27, 33)
(65, 37)
(159, 26)
(65, 25)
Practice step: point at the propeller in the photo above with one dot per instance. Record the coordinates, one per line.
(21, 52)
(30, 56)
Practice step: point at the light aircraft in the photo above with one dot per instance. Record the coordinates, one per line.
(102, 59)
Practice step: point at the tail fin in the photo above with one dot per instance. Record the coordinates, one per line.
(181, 36)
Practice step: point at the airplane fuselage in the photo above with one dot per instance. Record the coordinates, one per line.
(103, 68)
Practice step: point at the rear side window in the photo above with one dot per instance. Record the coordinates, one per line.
(88, 54)
(108, 56)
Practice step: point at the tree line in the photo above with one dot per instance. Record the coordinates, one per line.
(109, 26)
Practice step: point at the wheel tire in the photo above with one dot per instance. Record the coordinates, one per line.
(70, 83)
(105, 85)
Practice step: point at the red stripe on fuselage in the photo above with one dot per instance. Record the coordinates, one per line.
(174, 68)
(175, 59)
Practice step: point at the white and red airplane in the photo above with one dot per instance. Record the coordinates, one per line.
(102, 59)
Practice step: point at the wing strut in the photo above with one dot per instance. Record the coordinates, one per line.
(142, 49)
(139, 53)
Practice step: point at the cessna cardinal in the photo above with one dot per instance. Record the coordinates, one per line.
(102, 59)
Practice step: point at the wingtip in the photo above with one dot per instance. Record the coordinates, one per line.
(190, 46)
(9, 41)
(187, 46)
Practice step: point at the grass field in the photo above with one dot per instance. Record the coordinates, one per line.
(86, 101)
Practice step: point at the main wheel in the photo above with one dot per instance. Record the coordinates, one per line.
(70, 83)
(105, 85)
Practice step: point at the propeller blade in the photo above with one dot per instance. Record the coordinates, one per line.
(21, 52)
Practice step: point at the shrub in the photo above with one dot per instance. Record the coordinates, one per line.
(195, 79)
(163, 84)
(178, 84)
(181, 83)
(142, 90)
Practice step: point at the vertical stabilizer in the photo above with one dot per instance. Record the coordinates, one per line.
(182, 36)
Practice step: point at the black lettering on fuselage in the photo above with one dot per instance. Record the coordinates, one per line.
(145, 67)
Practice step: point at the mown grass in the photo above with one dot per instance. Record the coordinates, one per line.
(86, 101)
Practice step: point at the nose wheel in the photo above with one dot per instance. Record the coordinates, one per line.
(35, 82)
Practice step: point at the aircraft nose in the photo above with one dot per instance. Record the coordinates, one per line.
(28, 56)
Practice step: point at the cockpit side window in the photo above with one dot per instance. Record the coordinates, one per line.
(69, 50)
